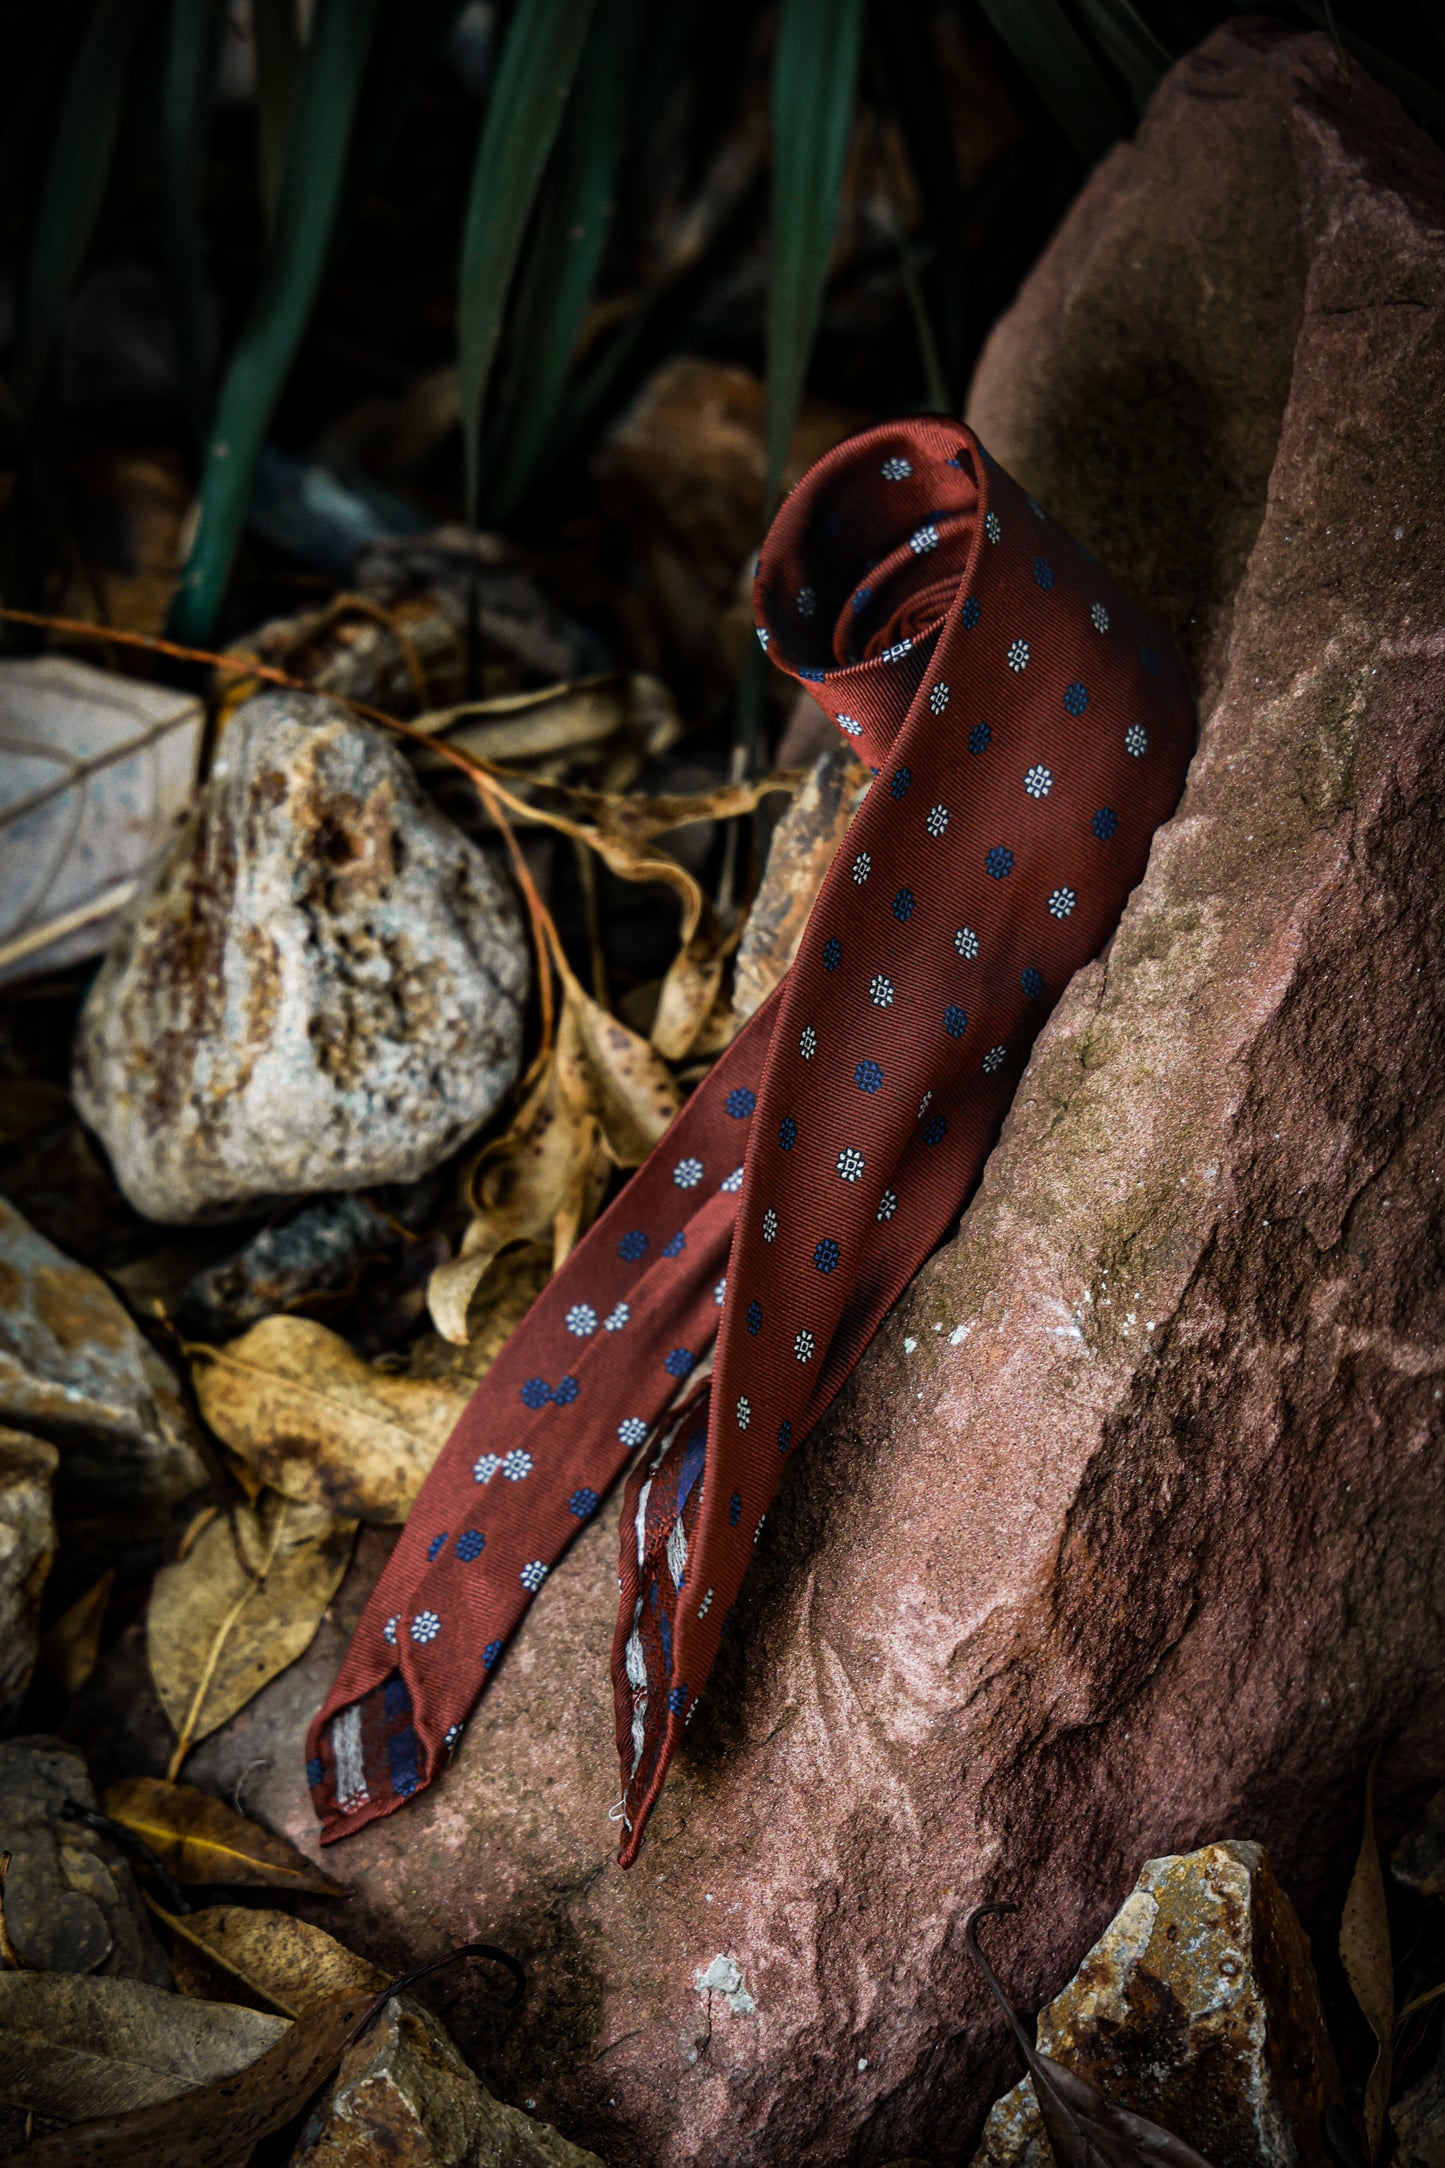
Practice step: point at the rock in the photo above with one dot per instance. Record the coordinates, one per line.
(75, 1371)
(71, 1901)
(320, 987)
(1199, 2008)
(1128, 1531)
(27, 1546)
(1418, 1860)
(803, 845)
(1418, 2122)
(404, 2095)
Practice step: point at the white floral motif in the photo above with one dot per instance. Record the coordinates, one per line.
(1098, 617)
(880, 991)
(937, 821)
(617, 1318)
(1062, 902)
(1036, 509)
(720, 1292)
(851, 724)
(896, 653)
(1039, 781)
(453, 1733)
(1018, 655)
(896, 470)
(762, 636)
(925, 538)
(425, 1626)
(631, 1430)
(803, 1346)
(992, 526)
(732, 1182)
(808, 1043)
(532, 1576)
(887, 1205)
(807, 602)
(1136, 740)
(581, 1319)
(862, 867)
(388, 1631)
(770, 1225)
(486, 1468)
(517, 1465)
(762, 1517)
(966, 942)
(924, 1104)
(744, 1411)
(938, 697)
(850, 1163)
(687, 1173)
(705, 1606)
(994, 1059)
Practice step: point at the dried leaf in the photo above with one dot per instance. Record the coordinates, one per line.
(287, 1962)
(505, 1295)
(804, 845)
(692, 990)
(237, 1610)
(11, 1959)
(77, 2046)
(71, 1645)
(320, 1425)
(572, 718)
(201, 1839)
(1365, 1955)
(1084, 2131)
(615, 1076)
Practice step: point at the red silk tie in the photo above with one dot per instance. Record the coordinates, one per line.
(1028, 730)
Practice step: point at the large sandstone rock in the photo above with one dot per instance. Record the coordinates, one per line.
(27, 1546)
(1197, 2007)
(1127, 1536)
(319, 987)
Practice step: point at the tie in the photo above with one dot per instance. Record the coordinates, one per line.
(1027, 729)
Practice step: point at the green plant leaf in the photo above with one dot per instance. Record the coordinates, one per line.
(913, 90)
(566, 248)
(1063, 71)
(524, 114)
(276, 40)
(315, 165)
(75, 179)
(815, 74)
(194, 50)
(1128, 44)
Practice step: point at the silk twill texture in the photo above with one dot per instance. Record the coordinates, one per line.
(1027, 729)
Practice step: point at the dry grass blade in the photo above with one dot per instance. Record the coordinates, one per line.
(1365, 1955)
(201, 1839)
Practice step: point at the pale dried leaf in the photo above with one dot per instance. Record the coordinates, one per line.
(216, 1632)
(287, 1962)
(805, 843)
(1369, 1968)
(77, 2046)
(72, 1644)
(618, 1076)
(319, 1424)
(203, 1840)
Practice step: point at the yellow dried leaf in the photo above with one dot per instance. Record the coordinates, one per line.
(320, 1425)
(221, 1625)
(286, 1962)
(507, 1292)
(616, 1076)
(202, 1840)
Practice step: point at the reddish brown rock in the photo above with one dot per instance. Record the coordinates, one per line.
(1128, 1534)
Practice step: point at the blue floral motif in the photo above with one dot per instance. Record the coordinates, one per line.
(1032, 982)
(1076, 697)
(861, 599)
(678, 1362)
(999, 863)
(490, 1654)
(903, 904)
(470, 1544)
(955, 1021)
(315, 1771)
(676, 1246)
(868, 1077)
(438, 1544)
(980, 738)
(735, 1509)
(935, 1129)
(825, 1256)
(1104, 823)
(565, 1391)
(787, 1132)
(632, 1246)
(755, 1316)
(1150, 660)
(1044, 573)
(740, 1102)
(900, 783)
(970, 613)
(677, 1700)
(832, 953)
(583, 1503)
(536, 1393)
(785, 1435)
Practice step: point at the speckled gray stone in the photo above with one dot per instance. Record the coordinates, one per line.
(319, 987)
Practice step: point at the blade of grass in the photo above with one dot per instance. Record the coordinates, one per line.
(815, 74)
(75, 179)
(1137, 57)
(276, 41)
(1063, 71)
(913, 92)
(315, 165)
(404, 46)
(194, 49)
(524, 114)
(566, 249)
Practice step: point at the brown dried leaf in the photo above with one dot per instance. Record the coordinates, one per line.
(287, 1962)
(1369, 1968)
(318, 1423)
(805, 843)
(221, 1624)
(611, 1073)
(691, 990)
(77, 2046)
(1083, 2130)
(70, 1647)
(203, 1840)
